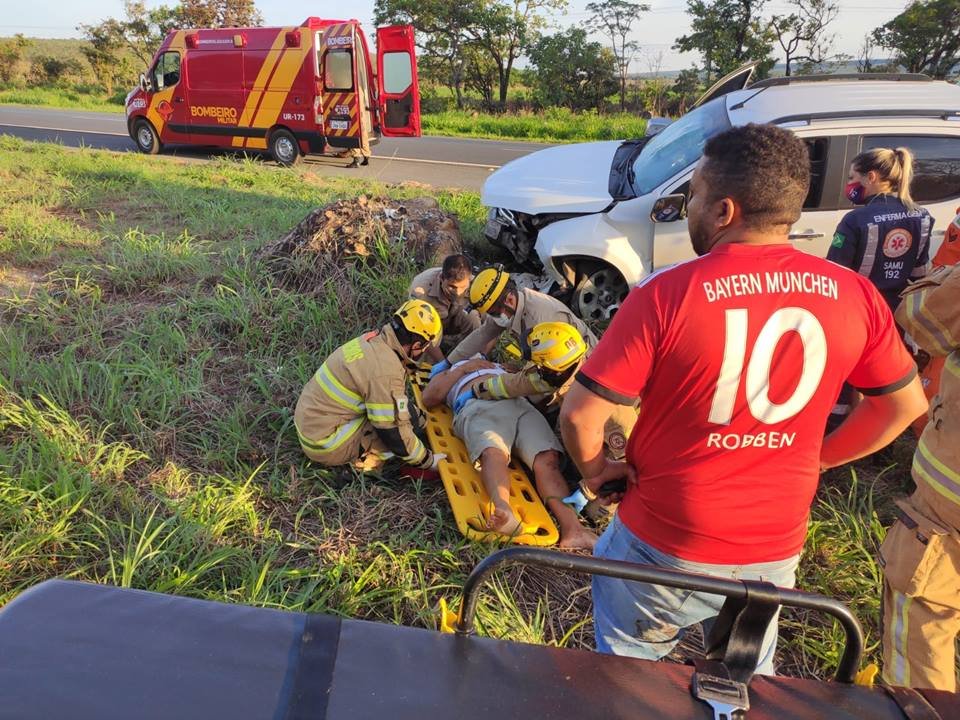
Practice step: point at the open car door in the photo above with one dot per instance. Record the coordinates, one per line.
(731, 82)
(398, 90)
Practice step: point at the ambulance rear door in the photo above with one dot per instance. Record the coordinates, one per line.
(339, 85)
(398, 89)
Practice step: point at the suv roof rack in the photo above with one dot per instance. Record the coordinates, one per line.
(793, 79)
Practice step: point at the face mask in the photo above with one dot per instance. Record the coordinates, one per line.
(502, 320)
(855, 192)
(452, 292)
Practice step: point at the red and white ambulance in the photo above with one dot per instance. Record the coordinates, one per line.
(287, 90)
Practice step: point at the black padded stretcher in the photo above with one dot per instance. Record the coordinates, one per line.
(79, 651)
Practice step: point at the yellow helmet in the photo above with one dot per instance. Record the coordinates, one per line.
(555, 345)
(421, 318)
(487, 287)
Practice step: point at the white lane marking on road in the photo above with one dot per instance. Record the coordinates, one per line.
(41, 127)
(379, 157)
(436, 162)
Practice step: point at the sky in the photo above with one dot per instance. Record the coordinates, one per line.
(656, 31)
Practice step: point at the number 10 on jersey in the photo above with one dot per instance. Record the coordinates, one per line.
(784, 320)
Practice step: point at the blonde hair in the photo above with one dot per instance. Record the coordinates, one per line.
(893, 166)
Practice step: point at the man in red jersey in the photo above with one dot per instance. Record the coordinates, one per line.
(737, 358)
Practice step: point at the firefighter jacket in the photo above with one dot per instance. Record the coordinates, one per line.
(362, 382)
(930, 312)
(456, 316)
(532, 308)
(885, 241)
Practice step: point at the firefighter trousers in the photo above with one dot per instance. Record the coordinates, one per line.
(921, 598)
(364, 450)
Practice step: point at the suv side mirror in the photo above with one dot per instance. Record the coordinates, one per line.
(669, 208)
(144, 84)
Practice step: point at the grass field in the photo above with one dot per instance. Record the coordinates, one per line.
(555, 125)
(148, 370)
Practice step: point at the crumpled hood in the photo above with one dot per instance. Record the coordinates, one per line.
(563, 179)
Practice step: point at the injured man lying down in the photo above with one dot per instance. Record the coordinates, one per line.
(493, 430)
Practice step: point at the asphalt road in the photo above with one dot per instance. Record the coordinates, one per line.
(440, 161)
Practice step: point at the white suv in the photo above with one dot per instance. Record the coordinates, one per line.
(584, 213)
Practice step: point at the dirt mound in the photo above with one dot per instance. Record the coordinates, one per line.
(378, 232)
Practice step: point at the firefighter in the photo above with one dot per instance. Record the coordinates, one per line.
(354, 410)
(361, 154)
(931, 368)
(446, 288)
(509, 309)
(921, 553)
(557, 350)
(885, 239)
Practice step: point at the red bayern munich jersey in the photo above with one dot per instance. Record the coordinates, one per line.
(738, 358)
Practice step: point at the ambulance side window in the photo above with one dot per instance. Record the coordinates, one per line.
(166, 73)
(338, 70)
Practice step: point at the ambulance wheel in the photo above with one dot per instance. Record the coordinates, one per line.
(284, 147)
(146, 137)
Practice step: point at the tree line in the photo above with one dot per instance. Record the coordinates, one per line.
(475, 48)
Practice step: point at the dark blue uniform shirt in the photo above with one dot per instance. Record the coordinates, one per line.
(886, 242)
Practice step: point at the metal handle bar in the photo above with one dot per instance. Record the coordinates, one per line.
(852, 649)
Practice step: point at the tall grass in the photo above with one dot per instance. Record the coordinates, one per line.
(552, 125)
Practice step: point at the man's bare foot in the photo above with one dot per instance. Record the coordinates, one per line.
(579, 539)
(502, 520)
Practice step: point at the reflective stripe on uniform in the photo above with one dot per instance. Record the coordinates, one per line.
(901, 619)
(870, 252)
(336, 391)
(926, 321)
(418, 454)
(497, 389)
(381, 412)
(334, 439)
(944, 480)
(925, 222)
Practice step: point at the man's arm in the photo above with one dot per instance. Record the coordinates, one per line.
(873, 424)
(440, 384)
(582, 419)
(843, 248)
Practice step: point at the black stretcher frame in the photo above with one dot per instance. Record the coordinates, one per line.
(737, 589)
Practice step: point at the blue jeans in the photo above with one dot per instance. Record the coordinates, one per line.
(647, 621)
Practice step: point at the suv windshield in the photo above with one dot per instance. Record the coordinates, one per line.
(678, 146)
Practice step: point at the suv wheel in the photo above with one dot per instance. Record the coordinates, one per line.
(599, 291)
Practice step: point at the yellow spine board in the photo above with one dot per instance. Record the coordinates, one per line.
(466, 493)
